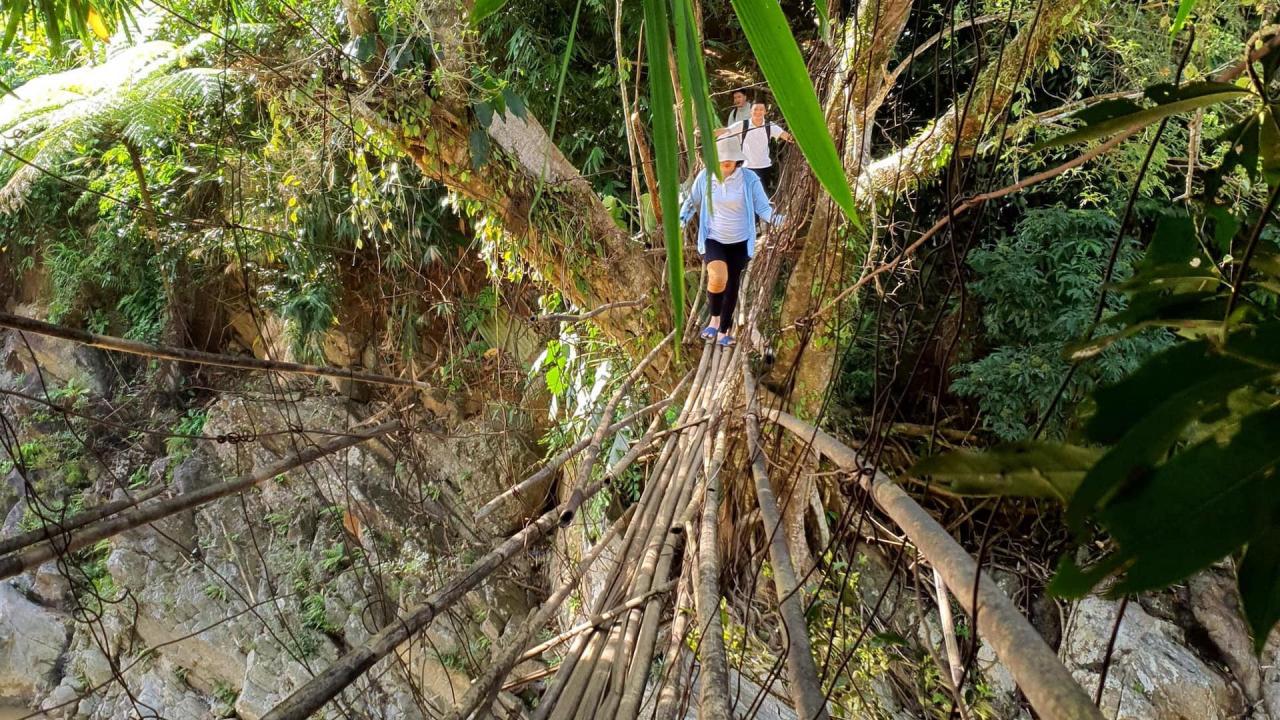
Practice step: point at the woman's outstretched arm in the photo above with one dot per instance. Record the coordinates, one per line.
(693, 202)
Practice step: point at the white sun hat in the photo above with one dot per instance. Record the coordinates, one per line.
(730, 148)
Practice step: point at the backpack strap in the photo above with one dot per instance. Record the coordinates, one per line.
(742, 136)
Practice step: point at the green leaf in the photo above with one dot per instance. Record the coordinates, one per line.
(1145, 414)
(889, 638)
(484, 113)
(1259, 345)
(1259, 576)
(1176, 285)
(11, 27)
(485, 8)
(1242, 150)
(1072, 581)
(1143, 117)
(1202, 504)
(564, 72)
(693, 82)
(779, 57)
(1107, 110)
(1177, 376)
(1184, 11)
(479, 142)
(666, 151)
(1162, 93)
(515, 103)
(1191, 314)
(824, 18)
(1021, 469)
(686, 57)
(1269, 146)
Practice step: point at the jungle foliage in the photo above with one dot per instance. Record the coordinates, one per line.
(1141, 339)
(1189, 468)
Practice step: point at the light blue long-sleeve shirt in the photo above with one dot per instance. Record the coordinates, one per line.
(755, 201)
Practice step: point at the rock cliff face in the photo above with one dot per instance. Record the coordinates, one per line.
(223, 611)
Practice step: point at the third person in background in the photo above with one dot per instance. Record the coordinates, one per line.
(741, 109)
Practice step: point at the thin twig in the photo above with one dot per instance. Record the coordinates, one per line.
(563, 317)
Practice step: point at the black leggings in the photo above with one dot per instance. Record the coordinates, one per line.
(734, 256)
(766, 175)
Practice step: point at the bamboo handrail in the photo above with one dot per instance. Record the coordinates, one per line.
(197, 357)
(1049, 687)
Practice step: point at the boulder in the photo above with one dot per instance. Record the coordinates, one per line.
(32, 639)
(58, 361)
(1215, 602)
(153, 694)
(1152, 675)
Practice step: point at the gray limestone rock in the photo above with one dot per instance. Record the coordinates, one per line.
(1153, 675)
(32, 639)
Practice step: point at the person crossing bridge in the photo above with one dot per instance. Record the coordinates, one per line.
(726, 231)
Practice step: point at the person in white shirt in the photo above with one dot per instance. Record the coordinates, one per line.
(754, 135)
(741, 109)
(727, 218)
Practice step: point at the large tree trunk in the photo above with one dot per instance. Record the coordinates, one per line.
(865, 46)
(568, 236)
(807, 358)
(830, 259)
(574, 244)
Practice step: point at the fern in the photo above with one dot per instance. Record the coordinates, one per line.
(138, 96)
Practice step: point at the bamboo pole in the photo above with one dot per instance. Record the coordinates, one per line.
(677, 663)
(713, 680)
(577, 685)
(954, 664)
(650, 563)
(332, 680)
(641, 657)
(806, 691)
(35, 555)
(54, 528)
(584, 644)
(550, 699)
(595, 622)
(485, 688)
(641, 653)
(197, 357)
(630, 575)
(596, 690)
(1049, 687)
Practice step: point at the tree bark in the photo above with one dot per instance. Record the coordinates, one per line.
(852, 102)
(962, 127)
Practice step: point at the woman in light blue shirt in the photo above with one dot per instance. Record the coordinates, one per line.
(726, 232)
